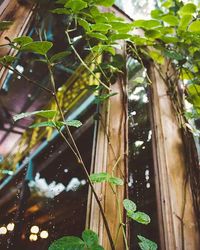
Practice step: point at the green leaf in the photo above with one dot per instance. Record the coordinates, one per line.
(146, 24)
(84, 24)
(57, 124)
(167, 4)
(156, 56)
(73, 123)
(170, 19)
(68, 243)
(23, 40)
(140, 217)
(103, 27)
(37, 47)
(156, 14)
(103, 48)
(106, 3)
(5, 25)
(188, 8)
(146, 244)
(152, 33)
(186, 74)
(169, 39)
(194, 94)
(129, 205)
(43, 124)
(184, 22)
(43, 113)
(98, 35)
(121, 27)
(59, 56)
(112, 17)
(90, 238)
(61, 11)
(116, 181)
(101, 177)
(173, 55)
(194, 26)
(101, 19)
(140, 40)
(120, 36)
(76, 5)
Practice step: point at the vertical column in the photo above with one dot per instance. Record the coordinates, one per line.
(111, 156)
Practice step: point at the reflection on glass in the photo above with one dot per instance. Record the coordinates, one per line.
(141, 169)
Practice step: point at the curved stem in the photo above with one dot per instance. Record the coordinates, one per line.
(83, 63)
(80, 160)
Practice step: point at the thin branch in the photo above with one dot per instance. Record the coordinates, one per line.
(80, 161)
(28, 79)
(83, 63)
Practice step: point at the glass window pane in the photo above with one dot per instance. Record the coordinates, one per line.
(141, 166)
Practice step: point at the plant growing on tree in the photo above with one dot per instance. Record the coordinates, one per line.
(172, 36)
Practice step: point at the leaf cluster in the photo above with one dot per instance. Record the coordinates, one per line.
(89, 241)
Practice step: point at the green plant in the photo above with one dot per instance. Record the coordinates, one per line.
(89, 241)
(171, 37)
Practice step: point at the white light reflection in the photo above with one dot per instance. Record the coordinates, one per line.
(34, 229)
(44, 234)
(10, 226)
(3, 230)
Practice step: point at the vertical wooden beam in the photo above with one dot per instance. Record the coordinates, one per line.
(177, 218)
(111, 153)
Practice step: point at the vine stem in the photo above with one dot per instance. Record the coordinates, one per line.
(83, 63)
(121, 224)
(28, 79)
(78, 156)
(74, 149)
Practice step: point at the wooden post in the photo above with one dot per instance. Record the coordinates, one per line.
(110, 153)
(20, 15)
(177, 219)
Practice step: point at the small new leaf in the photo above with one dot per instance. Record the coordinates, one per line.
(73, 123)
(129, 205)
(43, 124)
(101, 177)
(146, 244)
(43, 113)
(140, 217)
(37, 47)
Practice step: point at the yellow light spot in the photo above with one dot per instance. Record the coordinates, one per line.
(34, 229)
(10, 226)
(44, 234)
(33, 237)
(3, 230)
